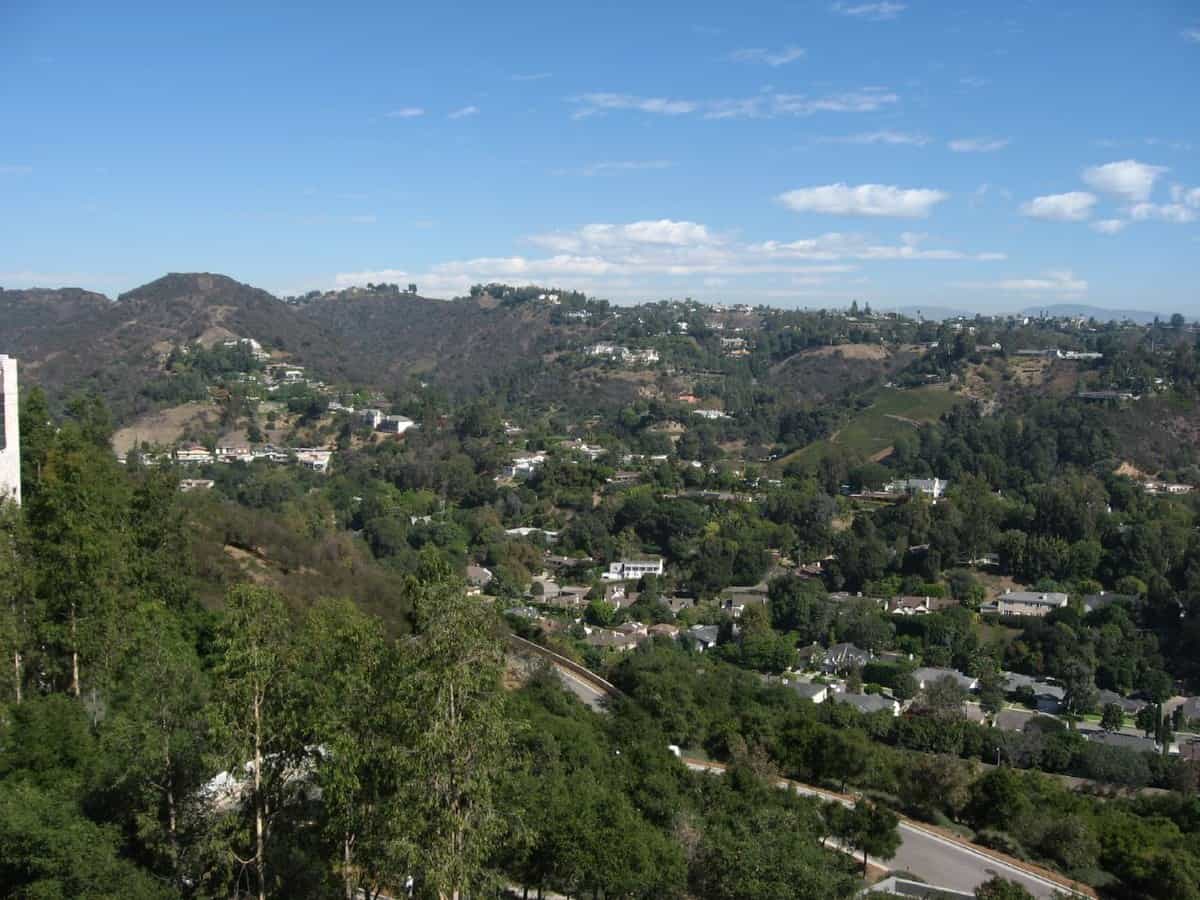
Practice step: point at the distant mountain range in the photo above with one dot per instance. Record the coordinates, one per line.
(1100, 314)
(70, 339)
(1059, 310)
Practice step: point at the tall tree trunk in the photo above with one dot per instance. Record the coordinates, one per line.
(74, 654)
(260, 862)
(17, 674)
(347, 857)
(172, 817)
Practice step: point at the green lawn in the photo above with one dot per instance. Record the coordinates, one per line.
(893, 412)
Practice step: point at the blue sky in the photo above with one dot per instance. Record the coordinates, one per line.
(982, 155)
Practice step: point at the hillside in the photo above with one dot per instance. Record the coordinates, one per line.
(460, 343)
(892, 412)
(72, 340)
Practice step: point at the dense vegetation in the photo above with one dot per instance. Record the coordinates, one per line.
(280, 686)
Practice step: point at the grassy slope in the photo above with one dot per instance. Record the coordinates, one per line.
(874, 429)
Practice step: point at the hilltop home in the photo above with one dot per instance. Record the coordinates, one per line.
(926, 676)
(1029, 603)
(840, 657)
(930, 487)
(704, 636)
(631, 569)
(394, 424)
(870, 703)
(10, 433)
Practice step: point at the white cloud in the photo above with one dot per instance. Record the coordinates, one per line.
(875, 12)
(464, 112)
(879, 137)
(864, 100)
(1181, 194)
(375, 276)
(1176, 213)
(1128, 179)
(405, 112)
(1057, 282)
(616, 167)
(627, 258)
(1109, 226)
(600, 101)
(1075, 206)
(1191, 34)
(765, 105)
(834, 246)
(864, 200)
(978, 145)
(659, 231)
(773, 58)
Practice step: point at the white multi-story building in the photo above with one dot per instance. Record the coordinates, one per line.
(631, 569)
(10, 431)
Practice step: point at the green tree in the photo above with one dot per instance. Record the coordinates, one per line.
(874, 830)
(458, 734)
(904, 686)
(19, 614)
(997, 888)
(1112, 717)
(1146, 719)
(343, 705)
(155, 737)
(249, 710)
(991, 690)
(944, 697)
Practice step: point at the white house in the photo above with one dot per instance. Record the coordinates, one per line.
(193, 454)
(631, 569)
(10, 431)
(930, 487)
(371, 417)
(315, 459)
(710, 413)
(524, 466)
(395, 424)
(1029, 603)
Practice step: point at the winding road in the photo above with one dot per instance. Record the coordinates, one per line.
(939, 859)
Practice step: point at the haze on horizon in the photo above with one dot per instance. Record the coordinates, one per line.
(904, 154)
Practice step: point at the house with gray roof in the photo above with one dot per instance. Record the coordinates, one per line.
(1029, 603)
(811, 690)
(1129, 705)
(1124, 741)
(870, 703)
(703, 636)
(926, 676)
(840, 657)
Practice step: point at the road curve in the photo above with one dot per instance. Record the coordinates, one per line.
(940, 860)
(943, 861)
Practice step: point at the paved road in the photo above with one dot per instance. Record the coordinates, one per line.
(939, 860)
(584, 690)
